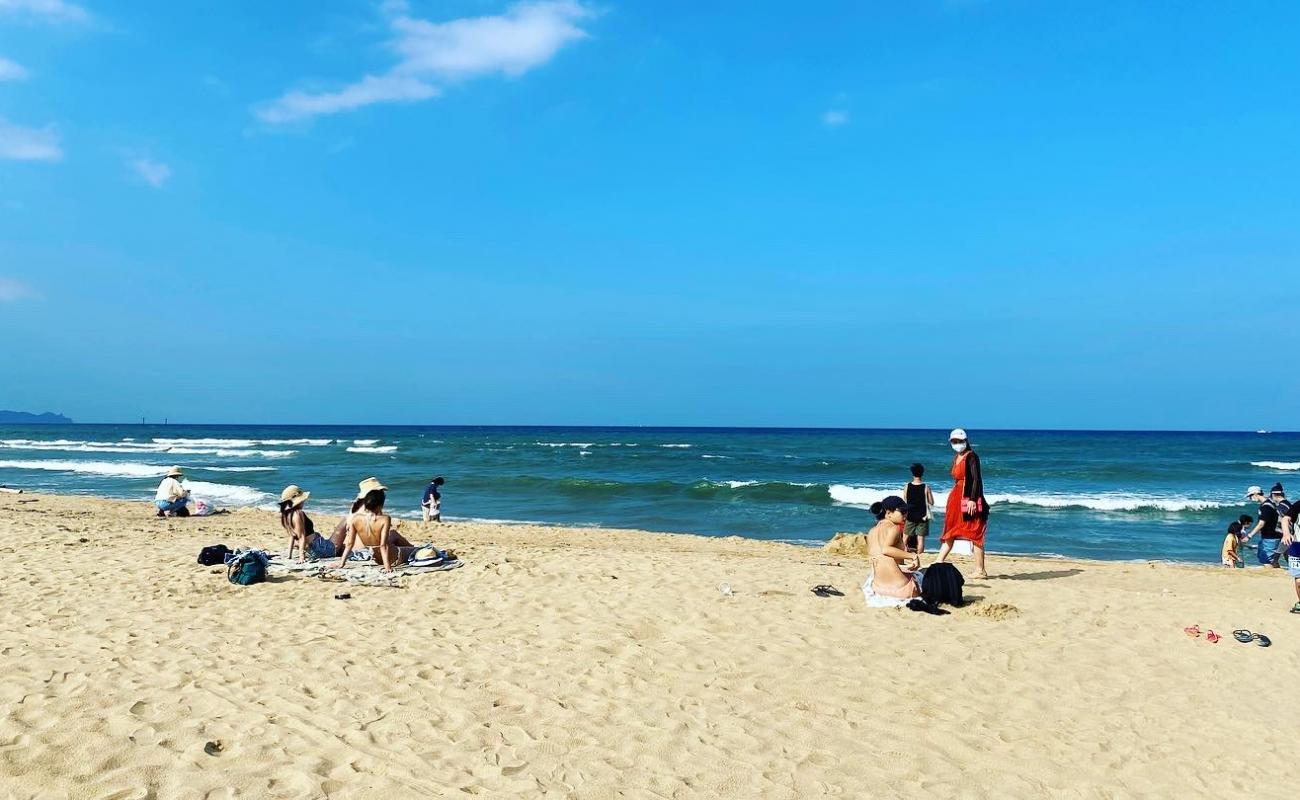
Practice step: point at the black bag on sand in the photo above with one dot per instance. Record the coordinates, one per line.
(213, 554)
(943, 584)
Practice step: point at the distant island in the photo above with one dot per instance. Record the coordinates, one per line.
(43, 419)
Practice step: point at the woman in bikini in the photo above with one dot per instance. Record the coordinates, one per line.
(302, 533)
(887, 556)
(371, 527)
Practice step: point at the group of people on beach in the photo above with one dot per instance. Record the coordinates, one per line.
(1278, 532)
(896, 543)
(365, 528)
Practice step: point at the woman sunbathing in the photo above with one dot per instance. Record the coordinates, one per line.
(302, 533)
(371, 527)
(887, 556)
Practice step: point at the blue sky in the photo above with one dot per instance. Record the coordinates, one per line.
(988, 213)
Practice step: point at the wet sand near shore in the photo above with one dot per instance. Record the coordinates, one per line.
(589, 663)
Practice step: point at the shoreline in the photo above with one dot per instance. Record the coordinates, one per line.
(803, 544)
(587, 662)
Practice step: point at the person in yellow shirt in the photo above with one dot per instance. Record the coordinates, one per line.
(172, 497)
(1230, 556)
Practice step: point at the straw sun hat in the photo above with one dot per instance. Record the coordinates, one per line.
(174, 472)
(294, 495)
(370, 485)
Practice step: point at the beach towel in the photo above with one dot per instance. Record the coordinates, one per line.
(364, 574)
(879, 601)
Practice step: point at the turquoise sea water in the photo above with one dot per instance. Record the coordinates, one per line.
(1102, 495)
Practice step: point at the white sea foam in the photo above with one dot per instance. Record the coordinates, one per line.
(584, 452)
(237, 469)
(583, 445)
(365, 442)
(298, 442)
(676, 445)
(221, 452)
(1287, 465)
(864, 496)
(226, 494)
(206, 442)
(709, 455)
(116, 469)
(388, 448)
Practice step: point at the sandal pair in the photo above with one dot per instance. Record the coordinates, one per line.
(1194, 631)
(1246, 637)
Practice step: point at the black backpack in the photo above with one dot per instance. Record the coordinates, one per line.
(942, 584)
(213, 554)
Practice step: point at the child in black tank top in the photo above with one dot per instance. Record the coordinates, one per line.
(919, 499)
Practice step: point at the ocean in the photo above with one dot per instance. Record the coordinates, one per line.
(1105, 495)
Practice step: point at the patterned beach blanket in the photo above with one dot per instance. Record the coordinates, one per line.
(359, 573)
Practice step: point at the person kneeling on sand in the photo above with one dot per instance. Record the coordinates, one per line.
(172, 498)
(371, 527)
(887, 556)
(302, 532)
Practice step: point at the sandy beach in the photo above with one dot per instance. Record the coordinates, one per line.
(596, 664)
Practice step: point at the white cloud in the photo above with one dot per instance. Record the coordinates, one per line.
(28, 144)
(11, 289)
(526, 36)
(49, 10)
(154, 173)
(11, 71)
(368, 90)
(835, 117)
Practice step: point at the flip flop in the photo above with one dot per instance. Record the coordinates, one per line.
(1263, 640)
(1212, 637)
(1193, 631)
(1244, 636)
(827, 591)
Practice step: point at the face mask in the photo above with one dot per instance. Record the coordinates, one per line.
(959, 447)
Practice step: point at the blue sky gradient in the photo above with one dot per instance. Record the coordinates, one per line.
(987, 213)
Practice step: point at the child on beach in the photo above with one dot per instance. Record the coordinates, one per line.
(919, 499)
(431, 503)
(1230, 556)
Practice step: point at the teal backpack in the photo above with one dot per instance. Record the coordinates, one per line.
(247, 568)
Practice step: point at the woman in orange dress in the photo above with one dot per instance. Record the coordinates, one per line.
(967, 514)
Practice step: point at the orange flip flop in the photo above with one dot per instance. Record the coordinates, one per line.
(1193, 631)
(1212, 637)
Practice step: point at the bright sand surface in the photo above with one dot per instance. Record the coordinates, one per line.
(595, 663)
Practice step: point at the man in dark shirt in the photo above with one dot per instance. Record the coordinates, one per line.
(1290, 529)
(431, 503)
(1267, 527)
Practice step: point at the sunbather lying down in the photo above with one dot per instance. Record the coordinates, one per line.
(370, 527)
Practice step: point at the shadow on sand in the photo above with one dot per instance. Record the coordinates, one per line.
(1045, 575)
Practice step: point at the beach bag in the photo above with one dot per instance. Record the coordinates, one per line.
(942, 584)
(247, 568)
(213, 554)
(203, 507)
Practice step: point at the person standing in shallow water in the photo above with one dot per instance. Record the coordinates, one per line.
(967, 513)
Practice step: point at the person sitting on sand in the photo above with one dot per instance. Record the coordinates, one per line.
(887, 556)
(172, 498)
(302, 533)
(1229, 555)
(372, 528)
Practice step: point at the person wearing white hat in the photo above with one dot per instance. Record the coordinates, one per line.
(172, 497)
(1267, 528)
(370, 527)
(967, 514)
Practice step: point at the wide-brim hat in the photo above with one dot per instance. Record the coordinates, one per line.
(175, 472)
(294, 495)
(370, 485)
